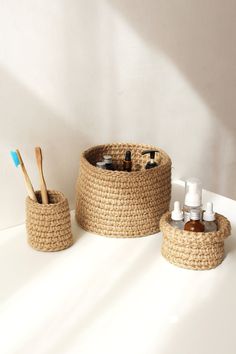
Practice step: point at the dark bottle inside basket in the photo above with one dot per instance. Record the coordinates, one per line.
(194, 225)
(108, 162)
(101, 164)
(127, 162)
(151, 163)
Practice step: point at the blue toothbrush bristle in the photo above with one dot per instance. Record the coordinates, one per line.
(15, 158)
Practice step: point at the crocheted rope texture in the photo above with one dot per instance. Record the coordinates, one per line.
(194, 250)
(48, 225)
(118, 203)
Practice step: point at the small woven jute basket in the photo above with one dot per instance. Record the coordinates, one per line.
(194, 250)
(119, 203)
(48, 225)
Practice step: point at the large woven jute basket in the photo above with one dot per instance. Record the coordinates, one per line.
(194, 250)
(48, 225)
(118, 203)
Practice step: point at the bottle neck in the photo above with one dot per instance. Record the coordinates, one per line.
(195, 220)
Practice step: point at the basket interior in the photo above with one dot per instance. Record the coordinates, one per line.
(53, 196)
(117, 151)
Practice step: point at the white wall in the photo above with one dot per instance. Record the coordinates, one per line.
(74, 73)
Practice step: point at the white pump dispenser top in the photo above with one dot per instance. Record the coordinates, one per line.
(193, 192)
(177, 213)
(209, 214)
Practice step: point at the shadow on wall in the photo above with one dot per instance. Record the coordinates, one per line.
(199, 36)
(26, 122)
(196, 35)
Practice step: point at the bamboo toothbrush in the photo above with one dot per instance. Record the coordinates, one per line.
(17, 159)
(39, 159)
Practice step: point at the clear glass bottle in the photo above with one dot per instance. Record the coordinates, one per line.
(194, 224)
(177, 216)
(209, 218)
(193, 197)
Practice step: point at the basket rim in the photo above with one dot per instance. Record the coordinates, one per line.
(124, 173)
(49, 205)
(222, 233)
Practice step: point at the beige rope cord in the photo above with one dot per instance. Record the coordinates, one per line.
(118, 203)
(48, 225)
(194, 250)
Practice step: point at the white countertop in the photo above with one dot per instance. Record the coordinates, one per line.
(115, 296)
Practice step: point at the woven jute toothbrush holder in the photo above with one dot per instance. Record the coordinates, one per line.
(118, 203)
(194, 250)
(48, 225)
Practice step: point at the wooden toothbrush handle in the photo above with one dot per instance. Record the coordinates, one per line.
(39, 159)
(44, 191)
(28, 184)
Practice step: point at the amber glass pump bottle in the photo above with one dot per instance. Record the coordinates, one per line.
(194, 225)
(152, 163)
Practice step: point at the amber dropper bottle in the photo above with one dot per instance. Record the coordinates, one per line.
(127, 162)
(194, 225)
